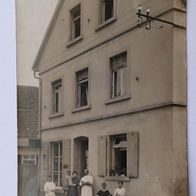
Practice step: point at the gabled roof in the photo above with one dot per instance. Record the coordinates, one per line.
(47, 34)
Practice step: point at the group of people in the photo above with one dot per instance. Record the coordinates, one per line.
(75, 186)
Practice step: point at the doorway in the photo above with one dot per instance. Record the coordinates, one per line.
(80, 154)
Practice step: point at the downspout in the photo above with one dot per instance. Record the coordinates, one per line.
(39, 128)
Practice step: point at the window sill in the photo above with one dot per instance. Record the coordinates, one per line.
(56, 115)
(117, 99)
(107, 22)
(117, 178)
(87, 107)
(74, 41)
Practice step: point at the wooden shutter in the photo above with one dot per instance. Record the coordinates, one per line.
(102, 155)
(132, 154)
(66, 157)
(45, 161)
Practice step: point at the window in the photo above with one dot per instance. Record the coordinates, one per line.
(29, 159)
(57, 163)
(118, 155)
(75, 22)
(106, 10)
(82, 87)
(118, 65)
(57, 96)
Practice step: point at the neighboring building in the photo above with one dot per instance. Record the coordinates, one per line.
(113, 96)
(28, 140)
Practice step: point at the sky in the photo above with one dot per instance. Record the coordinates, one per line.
(32, 19)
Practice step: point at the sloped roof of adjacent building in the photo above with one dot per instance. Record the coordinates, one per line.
(47, 34)
(27, 111)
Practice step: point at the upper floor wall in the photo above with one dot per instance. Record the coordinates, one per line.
(60, 45)
(154, 70)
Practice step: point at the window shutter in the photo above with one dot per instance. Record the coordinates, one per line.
(132, 154)
(102, 155)
(66, 157)
(45, 161)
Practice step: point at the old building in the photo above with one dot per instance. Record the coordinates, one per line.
(28, 139)
(113, 95)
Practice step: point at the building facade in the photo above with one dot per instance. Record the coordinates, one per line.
(28, 140)
(113, 96)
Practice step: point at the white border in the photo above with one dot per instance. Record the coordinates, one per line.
(8, 141)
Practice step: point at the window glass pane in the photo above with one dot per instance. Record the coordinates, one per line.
(60, 180)
(82, 87)
(84, 93)
(57, 87)
(108, 9)
(119, 155)
(57, 102)
(119, 60)
(82, 75)
(55, 179)
(60, 148)
(55, 148)
(55, 164)
(77, 28)
(76, 12)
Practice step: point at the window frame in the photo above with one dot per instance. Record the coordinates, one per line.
(106, 162)
(126, 95)
(100, 22)
(72, 20)
(60, 162)
(113, 149)
(60, 113)
(77, 107)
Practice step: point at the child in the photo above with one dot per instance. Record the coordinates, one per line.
(103, 191)
(120, 191)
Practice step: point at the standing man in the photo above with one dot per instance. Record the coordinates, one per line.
(49, 187)
(86, 184)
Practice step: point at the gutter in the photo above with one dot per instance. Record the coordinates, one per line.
(36, 76)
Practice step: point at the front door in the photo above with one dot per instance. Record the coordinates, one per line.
(80, 154)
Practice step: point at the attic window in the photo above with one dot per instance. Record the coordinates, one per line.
(106, 10)
(75, 22)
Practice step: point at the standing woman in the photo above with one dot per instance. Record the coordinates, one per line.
(73, 188)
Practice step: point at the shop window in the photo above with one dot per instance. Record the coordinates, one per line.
(82, 87)
(118, 65)
(75, 22)
(57, 162)
(106, 10)
(57, 96)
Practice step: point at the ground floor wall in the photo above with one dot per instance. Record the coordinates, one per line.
(156, 161)
(28, 171)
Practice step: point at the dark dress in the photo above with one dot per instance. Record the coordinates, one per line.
(104, 193)
(73, 190)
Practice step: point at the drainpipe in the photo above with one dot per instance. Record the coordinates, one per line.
(39, 128)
